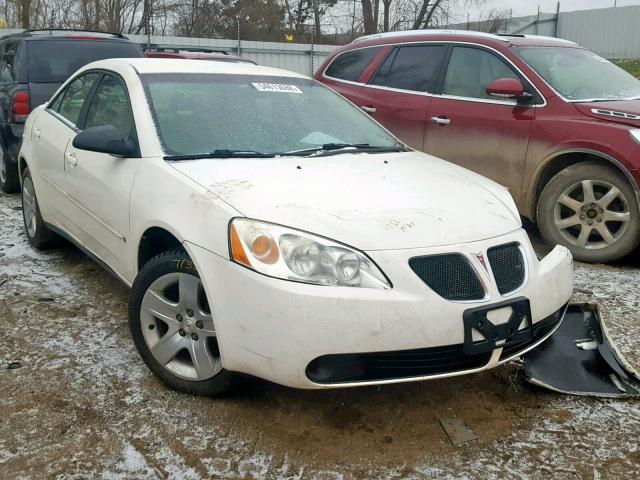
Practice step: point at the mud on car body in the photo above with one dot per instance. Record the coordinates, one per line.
(268, 226)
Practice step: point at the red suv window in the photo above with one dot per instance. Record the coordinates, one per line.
(413, 67)
(350, 65)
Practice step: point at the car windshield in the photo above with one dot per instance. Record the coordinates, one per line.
(53, 61)
(580, 75)
(197, 113)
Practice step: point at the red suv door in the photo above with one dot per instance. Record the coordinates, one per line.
(470, 128)
(398, 92)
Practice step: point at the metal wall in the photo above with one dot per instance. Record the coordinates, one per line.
(301, 58)
(612, 32)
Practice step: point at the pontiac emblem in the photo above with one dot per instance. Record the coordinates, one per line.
(482, 261)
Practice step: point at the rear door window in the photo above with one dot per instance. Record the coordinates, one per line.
(53, 61)
(70, 101)
(471, 70)
(380, 77)
(413, 67)
(351, 64)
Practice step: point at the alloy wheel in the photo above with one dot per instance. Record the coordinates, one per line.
(29, 207)
(178, 328)
(592, 214)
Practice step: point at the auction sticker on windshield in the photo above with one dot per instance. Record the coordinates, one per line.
(276, 87)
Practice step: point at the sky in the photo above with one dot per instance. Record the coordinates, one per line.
(529, 7)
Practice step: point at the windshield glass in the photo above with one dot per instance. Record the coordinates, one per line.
(196, 113)
(53, 61)
(580, 75)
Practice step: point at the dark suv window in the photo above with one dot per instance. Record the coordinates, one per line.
(53, 61)
(412, 67)
(350, 65)
(471, 70)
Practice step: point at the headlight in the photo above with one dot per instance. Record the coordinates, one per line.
(635, 135)
(291, 254)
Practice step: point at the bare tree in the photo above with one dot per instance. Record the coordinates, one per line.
(496, 21)
(387, 15)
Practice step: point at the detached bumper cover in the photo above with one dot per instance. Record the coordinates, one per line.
(579, 359)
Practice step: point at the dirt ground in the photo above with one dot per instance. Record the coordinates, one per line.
(83, 405)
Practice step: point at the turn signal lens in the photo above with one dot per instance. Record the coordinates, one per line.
(237, 250)
(265, 249)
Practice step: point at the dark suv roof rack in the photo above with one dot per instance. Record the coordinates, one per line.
(72, 30)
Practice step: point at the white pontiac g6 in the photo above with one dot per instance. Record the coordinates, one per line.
(269, 227)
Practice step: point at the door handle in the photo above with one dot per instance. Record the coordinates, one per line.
(440, 121)
(36, 132)
(368, 109)
(72, 159)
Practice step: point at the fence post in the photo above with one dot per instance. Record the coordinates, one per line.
(311, 51)
(238, 47)
(555, 26)
(537, 25)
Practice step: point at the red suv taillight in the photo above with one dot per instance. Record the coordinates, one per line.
(20, 107)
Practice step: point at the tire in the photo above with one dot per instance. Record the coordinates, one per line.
(590, 192)
(172, 326)
(39, 235)
(9, 180)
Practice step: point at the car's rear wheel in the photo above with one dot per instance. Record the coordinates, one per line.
(591, 209)
(173, 326)
(39, 235)
(9, 181)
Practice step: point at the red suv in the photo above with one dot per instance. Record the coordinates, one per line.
(555, 123)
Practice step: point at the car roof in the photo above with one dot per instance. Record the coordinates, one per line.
(63, 34)
(457, 35)
(169, 65)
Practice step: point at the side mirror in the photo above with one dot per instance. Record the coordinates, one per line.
(507, 89)
(104, 139)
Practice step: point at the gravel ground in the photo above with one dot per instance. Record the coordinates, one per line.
(83, 405)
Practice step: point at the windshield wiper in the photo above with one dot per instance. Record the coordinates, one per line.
(336, 148)
(221, 153)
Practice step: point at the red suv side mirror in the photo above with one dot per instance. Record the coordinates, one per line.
(507, 88)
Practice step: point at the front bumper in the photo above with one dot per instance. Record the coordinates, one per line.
(275, 329)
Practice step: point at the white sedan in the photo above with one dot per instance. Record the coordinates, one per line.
(269, 227)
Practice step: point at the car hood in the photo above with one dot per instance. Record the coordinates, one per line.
(620, 111)
(369, 201)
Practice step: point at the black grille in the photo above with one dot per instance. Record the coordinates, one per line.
(538, 331)
(362, 367)
(450, 276)
(508, 266)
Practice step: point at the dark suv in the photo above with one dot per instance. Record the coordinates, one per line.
(33, 64)
(554, 122)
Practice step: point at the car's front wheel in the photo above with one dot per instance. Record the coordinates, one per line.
(592, 210)
(173, 326)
